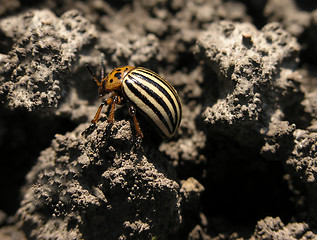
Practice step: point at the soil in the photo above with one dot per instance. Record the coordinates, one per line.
(243, 162)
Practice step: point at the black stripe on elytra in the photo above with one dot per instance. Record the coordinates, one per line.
(161, 89)
(158, 77)
(157, 98)
(146, 102)
(155, 75)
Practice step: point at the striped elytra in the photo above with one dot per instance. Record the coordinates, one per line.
(144, 91)
(155, 98)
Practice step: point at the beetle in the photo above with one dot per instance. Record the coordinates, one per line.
(143, 91)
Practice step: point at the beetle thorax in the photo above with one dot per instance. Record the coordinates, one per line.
(113, 81)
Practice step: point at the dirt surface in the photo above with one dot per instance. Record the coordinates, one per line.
(243, 162)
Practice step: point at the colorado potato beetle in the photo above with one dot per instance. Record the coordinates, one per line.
(144, 91)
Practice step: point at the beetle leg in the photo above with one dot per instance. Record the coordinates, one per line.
(115, 100)
(105, 102)
(138, 130)
(96, 117)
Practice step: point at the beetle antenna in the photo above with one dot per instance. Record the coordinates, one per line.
(102, 60)
(92, 74)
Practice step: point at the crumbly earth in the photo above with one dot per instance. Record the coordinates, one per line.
(243, 162)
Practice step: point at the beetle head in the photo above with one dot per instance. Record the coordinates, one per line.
(113, 81)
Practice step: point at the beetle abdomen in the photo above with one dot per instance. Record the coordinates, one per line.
(155, 97)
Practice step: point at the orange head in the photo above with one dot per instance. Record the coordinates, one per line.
(113, 81)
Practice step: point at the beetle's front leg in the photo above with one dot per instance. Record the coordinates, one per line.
(115, 99)
(105, 102)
